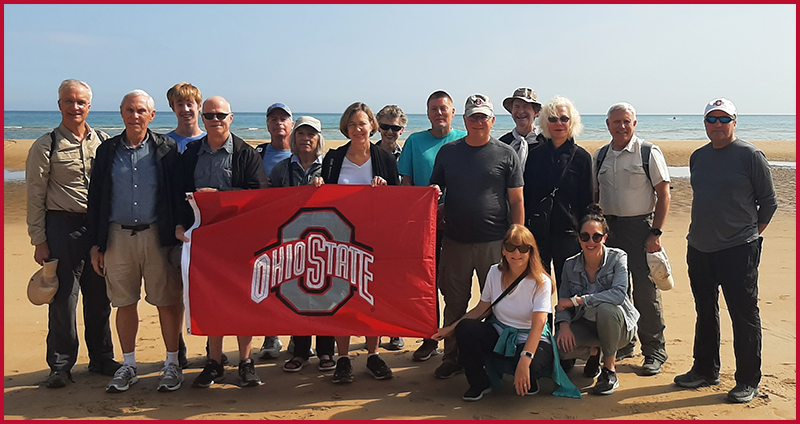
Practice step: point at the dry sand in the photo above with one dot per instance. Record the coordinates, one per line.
(414, 393)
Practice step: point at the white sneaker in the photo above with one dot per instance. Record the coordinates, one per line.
(171, 378)
(123, 379)
(271, 348)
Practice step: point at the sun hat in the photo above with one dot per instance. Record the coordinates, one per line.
(310, 121)
(660, 270)
(523, 93)
(722, 104)
(280, 106)
(478, 103)
(43, 285)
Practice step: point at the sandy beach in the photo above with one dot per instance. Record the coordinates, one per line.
(413, 393)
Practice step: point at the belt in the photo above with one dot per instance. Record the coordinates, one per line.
(628, 218)
(135, 228)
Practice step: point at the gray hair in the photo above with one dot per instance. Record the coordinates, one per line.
(293, 142)
(621, 106)
(151, 104)
(392, 112)
(549, 109)
(67, 83)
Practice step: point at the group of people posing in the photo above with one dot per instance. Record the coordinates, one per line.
(513, 211)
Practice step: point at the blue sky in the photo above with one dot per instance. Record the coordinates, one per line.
(320, 58)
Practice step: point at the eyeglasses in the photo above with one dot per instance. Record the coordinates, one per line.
(596, 237)
(555, 119)
(220, 116)
(69, 103)
(478, 117)
(387, 127)
(722, 119)
(523, 248)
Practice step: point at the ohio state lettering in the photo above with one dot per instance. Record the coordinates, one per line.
(316, 266)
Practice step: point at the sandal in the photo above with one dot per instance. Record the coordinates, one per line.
(295, 364)
(326, 363)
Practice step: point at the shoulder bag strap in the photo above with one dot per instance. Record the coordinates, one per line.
(504, 294)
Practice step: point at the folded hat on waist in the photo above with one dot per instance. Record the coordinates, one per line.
(660, 270)
(43, 285)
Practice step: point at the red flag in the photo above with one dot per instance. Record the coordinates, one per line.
(336, 260)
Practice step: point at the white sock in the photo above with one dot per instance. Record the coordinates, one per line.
(373, 354)
(342, 356)
(129, 359)
(172, 358)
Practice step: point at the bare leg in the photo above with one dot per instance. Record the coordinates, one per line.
(245, 345)
(372, 343)
(170, 318)
(215, 348)
(343, 345)
(127, 327)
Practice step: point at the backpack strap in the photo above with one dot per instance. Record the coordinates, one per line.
(601, 156)
(53, 141)
(646, 147)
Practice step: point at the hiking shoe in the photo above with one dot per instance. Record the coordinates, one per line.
(651, 366)
(344, 371)
(247, 374)
(534, 387)
(183, 361)
(395, 343)
(592, 367)
(742, 393)
(378, 368)
(447, 370)
(123, 379)
(693, 380)
(171, 378)
(271, 348)
(606, 383)
(626, 352)
(212, 373)
(474, 394)
(429, 348)
(58, 379)
(104, 366)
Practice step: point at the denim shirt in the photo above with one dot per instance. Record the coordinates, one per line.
(611, 283)
(134, 180)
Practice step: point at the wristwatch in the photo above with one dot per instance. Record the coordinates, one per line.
(656, 231)
(526, 353)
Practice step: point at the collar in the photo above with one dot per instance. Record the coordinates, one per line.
(205, 148)
(139, 146)
(580, 264)
(72, 138)
(529, 136)
(631, 146)
(296, 160)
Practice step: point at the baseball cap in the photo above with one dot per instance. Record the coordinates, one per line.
(43, 286)
(280, 106)
(660, 270)
(722, 104)
(523, 93)
(310, 121)
(478, 103)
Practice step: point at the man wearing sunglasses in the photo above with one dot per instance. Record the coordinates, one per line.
(635, 201)
(733, 202)
(483, 182)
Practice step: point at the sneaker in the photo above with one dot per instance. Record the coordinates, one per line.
(606, 383)
(344, 371)
(123, 379)
(58, 379)
(247, 374)
(429, 348)
(473, 394)
(626, 352)
(171, 378)
(104, 366)
(183, 361)
(447, 370)
(534, 388)
(693, 380)
(271, 348)
(592, 367)
(212, 373)
(378, 368)
(742, 393)
(395, 343)
(651, 366)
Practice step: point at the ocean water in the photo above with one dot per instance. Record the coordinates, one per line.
(31, 125)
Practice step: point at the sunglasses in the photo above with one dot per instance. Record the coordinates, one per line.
(596, 237)
(523, 248)
(478, 117)
(722, 119)
(220, 116)
(387, 127)
(555, 119)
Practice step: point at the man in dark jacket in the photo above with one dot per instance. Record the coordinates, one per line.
(131, 226)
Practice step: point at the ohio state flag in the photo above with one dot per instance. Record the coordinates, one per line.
(336, 260)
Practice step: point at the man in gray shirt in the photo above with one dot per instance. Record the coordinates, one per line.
(732, 204)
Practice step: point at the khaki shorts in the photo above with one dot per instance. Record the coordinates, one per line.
(129, 258)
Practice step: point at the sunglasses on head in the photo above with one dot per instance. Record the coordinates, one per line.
(523, 248)
(387, 127)
(555, 119)
(596, 237)
(220, 116)
(722, 119)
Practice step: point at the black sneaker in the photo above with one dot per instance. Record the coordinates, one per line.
(447, 370)
(104, 366)
(592, 367)
(212, 373)
(344, 371)
(534, 388)
(183, 361)
(378, 368)
(395, 343)
(742, 393)
(247, 374)
(626, 352)
(693, 380)
(429, 348)
(224, 360)
(475, 394)
(58, 379)
(651, 366)
(606, 383)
